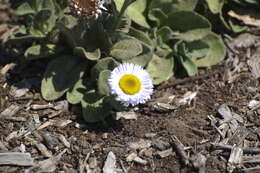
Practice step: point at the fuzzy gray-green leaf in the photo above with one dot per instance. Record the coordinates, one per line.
(24, 8)
(93, 107)
(41, 51)
(107, 63)
(188, 65)
(76, 93)
(189, 31)
(135, 11)
(215, 6)
(160, 69)
(61, 74)
(141, 36)
(90, 55)
(125, 49)
(103, 87)
(216, 52)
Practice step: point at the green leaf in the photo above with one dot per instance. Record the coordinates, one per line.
(76, 93)
(107, 63)
(158, 16)
(232, 24)
(36, 4)
(48, 4)
(125, 49)
(189, 31)
(160, 69)
(29, 7)
(235, 25)
(24, 9)
(94, 107)
(182, 51)
(135, 11)
(197, 49)
(103, 88)
(216, 53)
(90, 55)
(67, 32)
(188, 65)
(41, 51)
(44, 21)
(215, 6)
(168, 6)
(141, 36)
(142, 59)
(165, 33)
(61, 74)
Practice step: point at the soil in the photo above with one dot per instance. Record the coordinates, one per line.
(190, 123)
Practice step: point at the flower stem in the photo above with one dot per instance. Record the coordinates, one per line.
(121, 13)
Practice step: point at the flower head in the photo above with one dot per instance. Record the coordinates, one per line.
(87, 8)
(131, 84)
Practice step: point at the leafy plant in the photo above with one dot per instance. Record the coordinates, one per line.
(153, 34)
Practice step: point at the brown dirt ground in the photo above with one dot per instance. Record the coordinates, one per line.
(189, 123)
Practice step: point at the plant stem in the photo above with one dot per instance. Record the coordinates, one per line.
(121, 13)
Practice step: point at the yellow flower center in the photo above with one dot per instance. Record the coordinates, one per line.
(130, 84)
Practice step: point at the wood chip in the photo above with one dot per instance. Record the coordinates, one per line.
(39, 107)
(180, 150)
(186, 98)
(238, 137)
(251, 159)
(61, 123)
(248, 150)
(45, 166)
(61, 105)
(18, 119)
(10, 111)
(254, 65)
(110, 163)
(3, 147)
(50, 141)
(7, 67)
(140, 144)
(126, 115)
(165, 153)
(235, 159)
(140, 161)
(64, 141)
(92, 161)
(131, 157)
(245, 40)
(147, 152)
(45, 152)
(198, 161)
(160, 144)
(164, 107)
(16, 134)
(252, 170)
(253, 103)
(150, 135)
(54, 114)
(45, 124)
(225, 112)
(15, 158)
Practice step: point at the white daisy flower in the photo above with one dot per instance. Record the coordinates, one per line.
(131, 84)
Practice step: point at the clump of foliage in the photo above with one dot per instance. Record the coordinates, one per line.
(160, 35)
